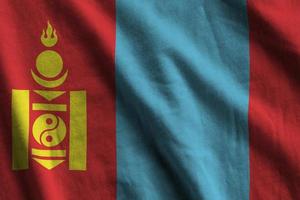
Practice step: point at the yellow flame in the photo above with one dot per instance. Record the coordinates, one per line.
(49, 37)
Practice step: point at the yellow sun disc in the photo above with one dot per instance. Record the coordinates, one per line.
(49, 63)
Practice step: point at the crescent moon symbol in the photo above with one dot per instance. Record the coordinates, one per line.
(49, 84)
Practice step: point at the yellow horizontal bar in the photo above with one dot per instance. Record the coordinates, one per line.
(48, 153)
(49, 107)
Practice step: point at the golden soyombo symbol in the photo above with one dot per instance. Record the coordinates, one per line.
(49, 130)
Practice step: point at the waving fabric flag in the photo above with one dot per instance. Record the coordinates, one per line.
(149, 100)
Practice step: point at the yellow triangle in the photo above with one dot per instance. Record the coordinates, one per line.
(48, 164)
(49, 95)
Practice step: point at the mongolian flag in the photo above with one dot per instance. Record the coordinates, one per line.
(149, 99)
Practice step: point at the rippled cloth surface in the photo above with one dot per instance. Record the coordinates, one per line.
(162, 100)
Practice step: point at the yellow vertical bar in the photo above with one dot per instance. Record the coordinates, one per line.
(20, 129)
(78, 131)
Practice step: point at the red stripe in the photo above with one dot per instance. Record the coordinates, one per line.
(86, 31)
(274, 113)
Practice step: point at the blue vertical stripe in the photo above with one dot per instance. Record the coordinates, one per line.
(182, 99)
